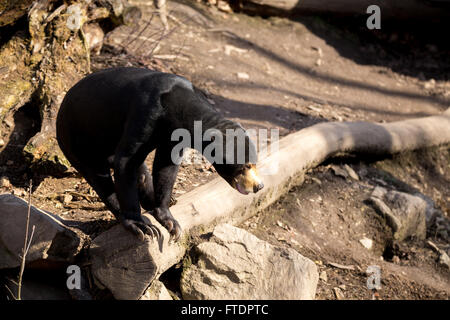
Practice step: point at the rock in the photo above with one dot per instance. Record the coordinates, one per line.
(437, 223)
(66, 198)
(341, 266)
(230, 48)
(367, 243)
(4, 182)
(338, 293)
(345, 172)
(444, 260)
(396, 259)
(351, 172)
(2, 143)
(224, 6)
(243, 75)
(337, 170)
(405, 213)
(319, 51)
(430, 84)
(323, 276)
(235, 264)
(157, 291)
(314, 108)
(52, 240)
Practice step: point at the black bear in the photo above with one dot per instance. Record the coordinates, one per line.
(114, 118)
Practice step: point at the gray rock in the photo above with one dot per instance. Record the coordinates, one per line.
(157, 291)
(52, 240)
(437, 223)
(235, 264)
(444, 260)
(405, 213)
(351, 172)
(337, 170)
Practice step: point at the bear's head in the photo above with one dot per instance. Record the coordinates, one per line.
(238, 158)
(244, 178)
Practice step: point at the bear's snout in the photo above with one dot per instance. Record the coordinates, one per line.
(258, 187)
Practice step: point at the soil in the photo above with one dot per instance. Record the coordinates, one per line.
(325, 218)
(288, 73)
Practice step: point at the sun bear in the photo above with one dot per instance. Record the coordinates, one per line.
(114, 118)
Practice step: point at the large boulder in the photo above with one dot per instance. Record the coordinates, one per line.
(52, 241)
(404, 213)
(235, 264)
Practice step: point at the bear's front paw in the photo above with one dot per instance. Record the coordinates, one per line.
(167, 220)
(140, 229)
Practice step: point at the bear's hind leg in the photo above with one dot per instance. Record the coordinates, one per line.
(147, 191)
(145, 188)
(102, 182)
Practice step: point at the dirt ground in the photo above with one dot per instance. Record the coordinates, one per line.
(325, 218)
(288, 74)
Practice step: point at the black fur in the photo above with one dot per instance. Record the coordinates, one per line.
(113, 119)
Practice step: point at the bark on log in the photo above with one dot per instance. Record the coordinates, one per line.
(216, 202)
(12, 10)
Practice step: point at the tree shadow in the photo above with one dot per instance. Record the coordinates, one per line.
(332, 79)
(24, 124)
(410, 41)
(264, 116)
(314, 99)
(14, 164)
(410, 47)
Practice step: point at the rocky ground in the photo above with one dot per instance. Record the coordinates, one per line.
(289, 74)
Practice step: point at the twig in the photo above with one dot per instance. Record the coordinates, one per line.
(10, 292)
(140, 32)
(26, 245)
(55, 13)
(86, 48)
(162, 11)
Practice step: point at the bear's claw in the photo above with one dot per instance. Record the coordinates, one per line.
(166, 219)
(140, 229)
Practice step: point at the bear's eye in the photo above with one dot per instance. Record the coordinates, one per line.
(248, 166)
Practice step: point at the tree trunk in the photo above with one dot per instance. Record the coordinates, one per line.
(43, 59)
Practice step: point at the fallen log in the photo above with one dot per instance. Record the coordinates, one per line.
(216, 202)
